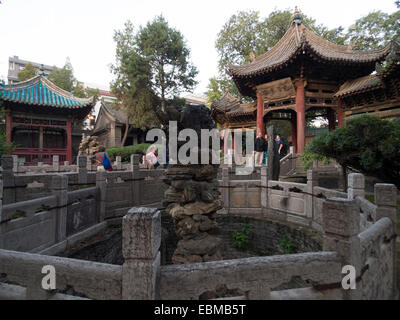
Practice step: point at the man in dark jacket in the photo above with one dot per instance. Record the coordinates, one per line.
(259, 147)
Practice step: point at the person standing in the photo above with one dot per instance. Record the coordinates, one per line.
(259, 149)
(265, 149)
(279, 145)
(103, 159)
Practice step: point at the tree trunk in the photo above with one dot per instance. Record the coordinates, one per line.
(162, 104)
(126, 132)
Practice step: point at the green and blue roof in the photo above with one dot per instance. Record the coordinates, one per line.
(42, 92)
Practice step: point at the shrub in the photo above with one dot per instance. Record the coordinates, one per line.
(288, 245)
(125, 152)
(241, 238)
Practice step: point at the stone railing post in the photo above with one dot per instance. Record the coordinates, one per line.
(118, 163)
(141, 239)
(56, 163)
(385, 200)
(15, 163)
(312, 181)
(59, 187)
(135, 169)
(356, 185)
(7, 162)
(225, 190)
(82, 170)
(341, 226)
(89, 163)
(101, 184)
(264, 188)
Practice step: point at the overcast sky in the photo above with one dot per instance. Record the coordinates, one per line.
(49, 31)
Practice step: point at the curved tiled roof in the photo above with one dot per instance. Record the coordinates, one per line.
(226, 103)
(389, 69)
(41, 91)
(362, 84)
(230, 108)
(296, 39)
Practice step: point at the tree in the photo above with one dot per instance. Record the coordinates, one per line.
(28, 72)
(374, 30)
(367, 144)
(168, 55)
(5, 147)
(79, 91)
(132, 85)
(64, 77)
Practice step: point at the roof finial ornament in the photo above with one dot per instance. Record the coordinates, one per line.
(41, 70)
(297, 16)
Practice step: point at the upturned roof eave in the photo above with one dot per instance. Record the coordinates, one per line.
(304, 44)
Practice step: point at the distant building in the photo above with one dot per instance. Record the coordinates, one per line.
(16, 65)
(195, 99)
(110, 127)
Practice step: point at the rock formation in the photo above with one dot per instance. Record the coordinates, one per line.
(192, 198)
(88, 146)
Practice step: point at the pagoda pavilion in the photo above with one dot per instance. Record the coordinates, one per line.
(39, 118)
(301, 72)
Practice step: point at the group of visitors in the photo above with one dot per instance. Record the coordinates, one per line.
(103, 160)
(261, 148)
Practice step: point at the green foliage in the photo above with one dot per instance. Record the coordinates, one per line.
(213, 93)
(5, 147)
(18, 214)
(79, 91)
(241, 238)
(288, 245)
(28, 72)
(264, 252)
(367, 144)
(132, 85)
(125, 152)
(307, 159)
(375, 30)
(64, 77)
(165, 50)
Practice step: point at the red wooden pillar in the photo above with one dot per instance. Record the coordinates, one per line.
(69, 141)
(260, 115)
(294, 133)
(301, 116)
(8, 126)
(331, 119)
(340, 115)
